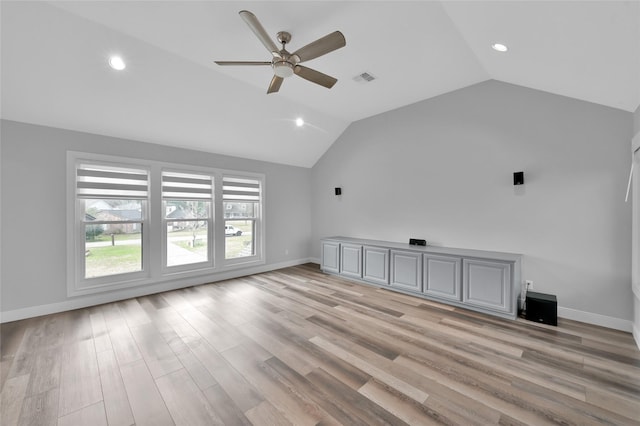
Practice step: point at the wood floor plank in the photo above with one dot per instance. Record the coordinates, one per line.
(411, 391)
(225, 408)
(93, 415)
(266, 414)
(100, 331)
(213, 333)
(504, 406)
(79, 377)
(243, 394)
(296, 346)
(40, 409)
(245, 360)
(45, 373)
(283, 350)
(11, 335)
(133, 313)
(77, 326)
(33, 338)
(122, 341)
(186, 403)
(116, 401)
(360, 409)
(11, 399)
(625, 406)
(192, 364)
(124, 345)
(146, 403)
(400, 405)
(158, 356)
(305, 389)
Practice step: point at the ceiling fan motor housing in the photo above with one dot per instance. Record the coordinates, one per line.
(282, 68)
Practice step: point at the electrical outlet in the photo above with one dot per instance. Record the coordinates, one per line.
(529, 285)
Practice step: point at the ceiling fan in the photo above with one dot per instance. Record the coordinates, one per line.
(285, 64)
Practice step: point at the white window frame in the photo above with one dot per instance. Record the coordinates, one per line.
(78, 284)
(209, 263)
(258, 231)
(154, 269)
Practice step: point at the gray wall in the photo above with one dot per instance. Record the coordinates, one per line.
(33, 199)
(441, 169)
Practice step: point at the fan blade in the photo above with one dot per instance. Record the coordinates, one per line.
(321, 46)
(242, 63)
(260, 32)
(275, 84)
(315, 76)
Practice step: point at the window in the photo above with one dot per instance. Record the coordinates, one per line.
(136, 222)
(111, 202)
(241, 197)
(187, 220)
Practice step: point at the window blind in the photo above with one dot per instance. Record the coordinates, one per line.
(186, 186)
(100, 181)
(240, 189)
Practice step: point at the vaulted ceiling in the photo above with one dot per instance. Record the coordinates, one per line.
(55, 72)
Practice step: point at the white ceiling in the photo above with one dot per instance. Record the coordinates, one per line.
(54, 65)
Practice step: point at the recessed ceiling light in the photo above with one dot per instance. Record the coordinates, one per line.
(299, 122)
(499, 47)
(117, 63)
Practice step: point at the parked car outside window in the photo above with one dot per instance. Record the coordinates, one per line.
(231, 230)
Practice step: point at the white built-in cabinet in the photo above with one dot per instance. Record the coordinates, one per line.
(375, 265)
(479, 280)
(442, 276)
(351, 260)
(406, 270)
(331, 256)
(487, 284)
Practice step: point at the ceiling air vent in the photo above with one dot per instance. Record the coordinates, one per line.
(365, 77)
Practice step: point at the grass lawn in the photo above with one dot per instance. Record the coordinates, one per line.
(127, 256)
(112, 260)
(238, 246)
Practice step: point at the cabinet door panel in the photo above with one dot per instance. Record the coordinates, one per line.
(442, 276)
(331, 257)
(351, 260)
(375, 265)
(487, 284)
(406, 270)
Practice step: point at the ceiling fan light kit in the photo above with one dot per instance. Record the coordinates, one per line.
(286, 64)
(283, 69)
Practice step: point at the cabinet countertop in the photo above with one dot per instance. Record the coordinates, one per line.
(480, 254)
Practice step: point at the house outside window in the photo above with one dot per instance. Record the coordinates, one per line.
(112, 202)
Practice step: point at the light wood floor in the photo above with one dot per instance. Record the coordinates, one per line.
(299, 347)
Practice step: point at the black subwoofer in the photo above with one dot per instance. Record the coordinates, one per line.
(542, 308)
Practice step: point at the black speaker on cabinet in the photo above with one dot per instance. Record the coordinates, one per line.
(417, 242)
(542, 308)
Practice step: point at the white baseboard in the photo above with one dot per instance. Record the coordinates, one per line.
(98, 299)
(636, 325)
(314, 260)
(596, 319)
